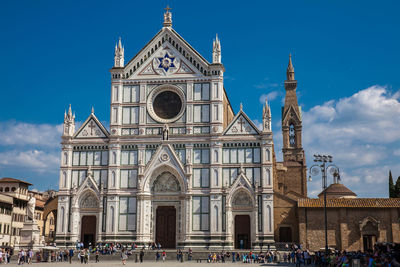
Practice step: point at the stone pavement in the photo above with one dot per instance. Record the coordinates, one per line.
(170, 263)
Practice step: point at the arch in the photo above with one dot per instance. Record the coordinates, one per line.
(112, 225)
(267, 154)
(7, 189)
(114, 158)
(216, 155)
(88, 200)
(64, 180)
(216, 177)
(113, 179)
(292, 134)
(150, 177)
(65, 158)
(165, 182)
(268, 176)
(241, 197)
(369, 221)
(269, 218)
(62, 216)
(216, 217)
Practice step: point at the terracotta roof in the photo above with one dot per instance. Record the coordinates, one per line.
(39, 203)
(13, 180)
(350, 203)
(338, 189)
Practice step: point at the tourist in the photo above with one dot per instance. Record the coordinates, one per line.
(124, 256)
(30, 256)
(157, 255)
(97, 255)
(70, 255)
(158, 246)
(141, 255)
(164, 256)
(190, 254)
(81, 255)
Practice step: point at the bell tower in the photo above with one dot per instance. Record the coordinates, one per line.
(291, 120)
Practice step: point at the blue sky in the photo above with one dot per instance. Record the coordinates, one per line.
(345, 55)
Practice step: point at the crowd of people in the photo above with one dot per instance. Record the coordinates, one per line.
(383, 255)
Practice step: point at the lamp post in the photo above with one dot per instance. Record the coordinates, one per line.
(323, 166)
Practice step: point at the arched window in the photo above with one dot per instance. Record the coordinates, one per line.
(62, 219)
(65, 158)
(268, 176)
(292, 135)
(112, 218)
(64, 181)
(1, 189)
(269, 214)
(267, 155)
(7, 189)
(215, 155)
(216, 177)
(113, 179)
(13, 189)
(114, 160)
(216, 217)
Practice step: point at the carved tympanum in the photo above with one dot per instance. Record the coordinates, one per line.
(166, 182)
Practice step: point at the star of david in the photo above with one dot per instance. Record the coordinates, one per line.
(166, 62)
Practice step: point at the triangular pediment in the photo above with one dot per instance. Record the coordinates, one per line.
(88, 184)
(241, 181)
(165, 155)
(91, 128)
(241, 125)
(167, 54)
(291, 114)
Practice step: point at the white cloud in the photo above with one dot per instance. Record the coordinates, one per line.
(20, 133)
(270, 96)
(33, 160)
(362, 133)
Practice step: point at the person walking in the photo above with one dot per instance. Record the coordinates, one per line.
(70, 255)
(97, 255)
(30, 256)
(124, 257)
(82, 255)
(141, 255)
(164, 256)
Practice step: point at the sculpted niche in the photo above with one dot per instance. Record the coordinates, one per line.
(166, 182)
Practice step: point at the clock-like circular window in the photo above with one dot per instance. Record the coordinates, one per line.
(166, 103)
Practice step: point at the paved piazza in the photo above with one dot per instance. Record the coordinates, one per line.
(148, 264)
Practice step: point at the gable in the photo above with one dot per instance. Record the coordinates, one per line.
(166, 61)
(150, 60)
(241, 125)
(291, 113)
(91, 128)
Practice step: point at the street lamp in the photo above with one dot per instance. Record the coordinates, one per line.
(323, 166)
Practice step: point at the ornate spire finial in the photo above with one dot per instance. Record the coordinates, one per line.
(216, 50)
(290, 70)
(167, 17)
(241, 106)
(119, 54)
(92, 110)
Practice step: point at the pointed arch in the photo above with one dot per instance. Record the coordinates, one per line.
(267, 154)
(64, 179)
(88, 199)
(112, 214)
(216, 217)
(241, 197)
(216, 155)
(216, 180)
(62, 216)
(152, 176)
(113, 179)
(268, 176)
(65, 158)
(114, 157)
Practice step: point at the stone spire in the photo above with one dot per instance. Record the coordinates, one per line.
(167, 17)
(69, 123)
(290, 70)
(119, 55)
(216, 50)
(266, 117)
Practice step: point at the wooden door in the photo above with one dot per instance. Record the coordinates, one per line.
(166, 226)
(242, 232)
(88, 231)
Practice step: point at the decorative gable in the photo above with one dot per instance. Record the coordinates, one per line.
(91, 128)
(241, 125)
(165, 55)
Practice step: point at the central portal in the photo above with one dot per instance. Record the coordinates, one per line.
(242, 232)
(166, 226)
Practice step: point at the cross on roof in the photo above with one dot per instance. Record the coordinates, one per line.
(91, 126)
(167, 8)
(241, 122)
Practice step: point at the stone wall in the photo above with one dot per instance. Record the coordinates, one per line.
(345, 227)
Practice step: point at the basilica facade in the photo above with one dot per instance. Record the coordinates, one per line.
(177, 166)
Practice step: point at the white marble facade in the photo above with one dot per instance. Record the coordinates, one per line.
(169, 145)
